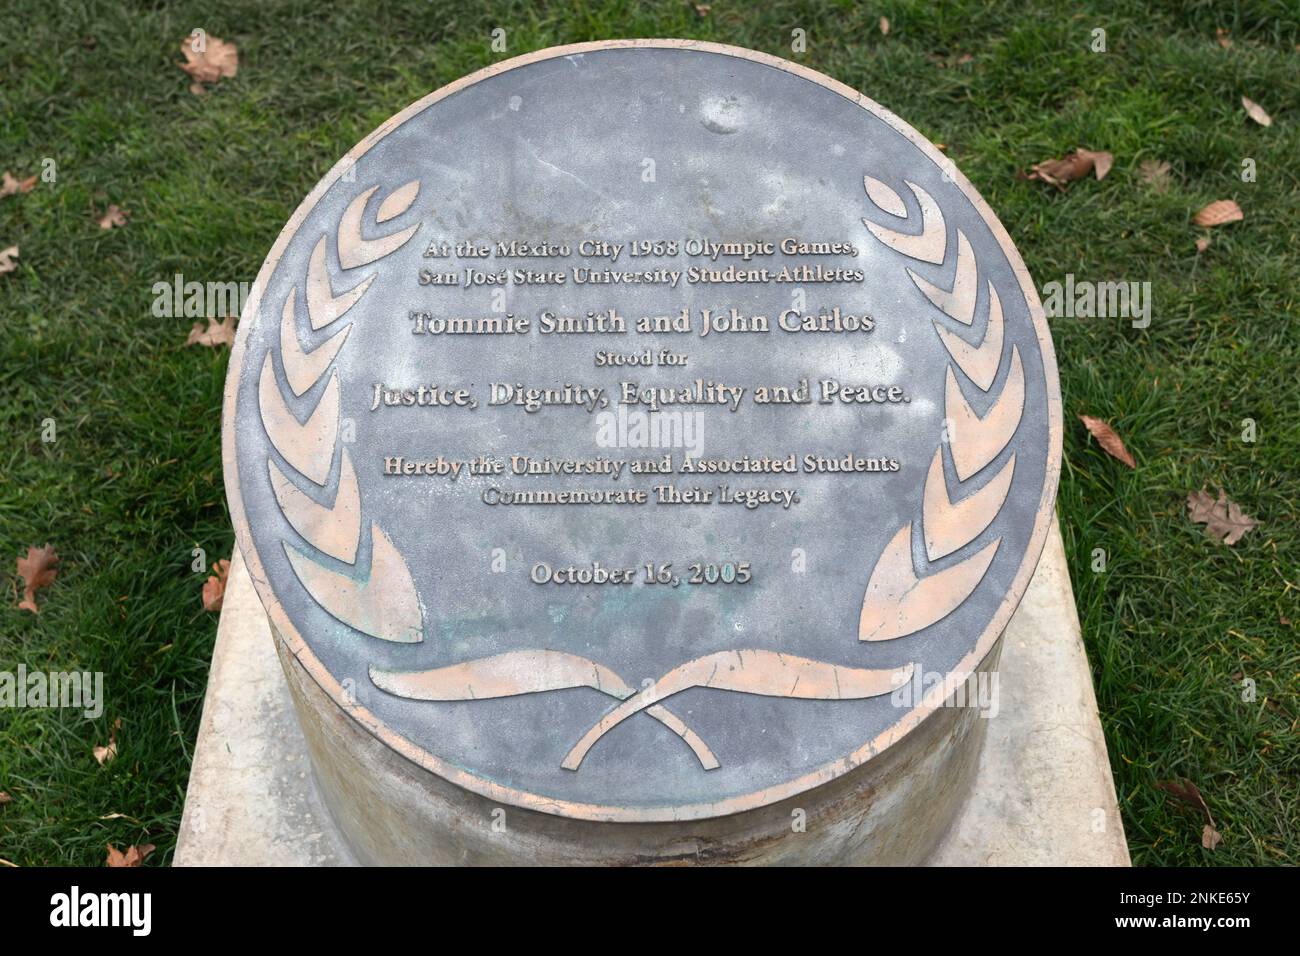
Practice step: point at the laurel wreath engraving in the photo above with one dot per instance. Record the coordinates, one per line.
(384, 603)
(898, 602)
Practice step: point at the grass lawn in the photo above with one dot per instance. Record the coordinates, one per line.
(1174, 625)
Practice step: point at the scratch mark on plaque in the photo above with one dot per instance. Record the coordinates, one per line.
(564, 172)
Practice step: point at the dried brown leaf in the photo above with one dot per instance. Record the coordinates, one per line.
(1061, 172)
(217, 333)
(884, 26)
(133, 856)
(1185, 791)
(5, 798)
(208, 59)
(113, 216)
(1101, 161)
(12, 187)
(1202, 243)
(1256, 112)
(106, 754)
(1156, 174)
(214, 588)
(38, 570)
(1219, 212)
(1108, 439)
(1210, 837)
(1223, 519)
(702, 9)
(7, 259)
(1221, 37)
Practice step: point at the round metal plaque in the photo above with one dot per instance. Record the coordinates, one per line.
(642, 431)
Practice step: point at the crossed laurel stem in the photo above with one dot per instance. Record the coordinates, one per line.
(527, 672)
(748, 671)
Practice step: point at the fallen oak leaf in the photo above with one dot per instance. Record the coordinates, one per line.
(1218, 213)
(1256, 112)
(1108, 439)
(113, 216)
(38, 570)
(207, 60)
(5, 798)
(214, 588)
(1223, 519)
(7, 257)
(12, 187)
(134, 855)
(217, 333)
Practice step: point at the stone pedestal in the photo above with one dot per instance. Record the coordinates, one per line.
(1040, 795)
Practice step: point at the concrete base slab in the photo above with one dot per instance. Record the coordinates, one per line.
(1043, 794)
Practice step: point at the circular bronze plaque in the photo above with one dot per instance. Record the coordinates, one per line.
(642, 430)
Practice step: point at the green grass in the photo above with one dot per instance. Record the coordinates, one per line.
(1173, 624)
